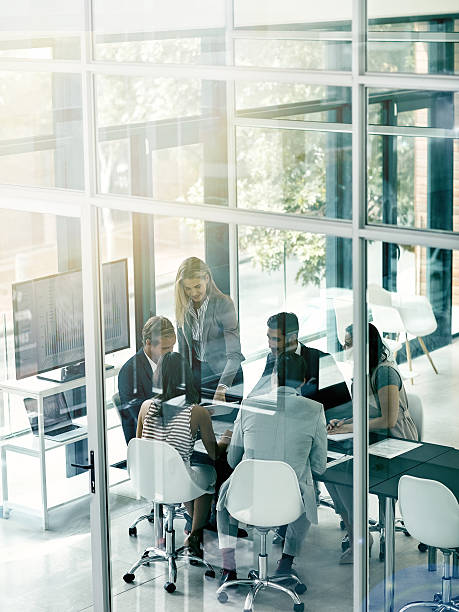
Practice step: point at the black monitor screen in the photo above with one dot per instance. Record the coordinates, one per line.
(48, 318)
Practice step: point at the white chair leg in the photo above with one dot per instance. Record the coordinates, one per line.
(408, 356)
(427, 354)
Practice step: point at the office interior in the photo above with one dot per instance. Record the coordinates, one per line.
(313, 173)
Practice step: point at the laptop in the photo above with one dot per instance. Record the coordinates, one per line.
(58, 424)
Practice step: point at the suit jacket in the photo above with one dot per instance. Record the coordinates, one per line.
(318, 365)
(135, 381)
(282, 426)
(220, 342)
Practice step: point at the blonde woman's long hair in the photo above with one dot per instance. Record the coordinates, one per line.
(193, 267)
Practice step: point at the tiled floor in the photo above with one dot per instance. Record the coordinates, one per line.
(51, 571)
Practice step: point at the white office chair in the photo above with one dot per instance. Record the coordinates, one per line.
(150, 517)
(418, 318)
(264, 494)
(386, 317)
(158, 473)
(431, 514)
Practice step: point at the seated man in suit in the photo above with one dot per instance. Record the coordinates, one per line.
(324, 382)
(140, 375)
(282, 426)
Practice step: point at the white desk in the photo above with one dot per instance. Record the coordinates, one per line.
(37, 446)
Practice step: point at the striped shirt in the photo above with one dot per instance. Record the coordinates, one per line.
(173, 428)
(197, 323)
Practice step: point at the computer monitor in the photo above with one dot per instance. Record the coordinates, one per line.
(48, 318)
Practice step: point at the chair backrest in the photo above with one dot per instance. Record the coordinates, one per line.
(417, 315)
(116, 400)
(385, 316)
(430, 511)
(344, 317)
(264, 493)
(158, 472)
(416, 411)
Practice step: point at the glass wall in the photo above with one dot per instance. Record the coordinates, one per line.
(43, 414)
(224, 131)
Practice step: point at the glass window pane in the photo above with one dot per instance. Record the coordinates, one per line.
(42, 30)
(413, 159)
(43, 423)
(176, 32)
(423, 40)
(41, 141)
(167, 141)
(413, 301)
(293, 102)
(291, 171)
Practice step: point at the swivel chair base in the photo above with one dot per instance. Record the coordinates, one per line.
(150, 517)
(170, 555)
(259, 580)
(441, 601)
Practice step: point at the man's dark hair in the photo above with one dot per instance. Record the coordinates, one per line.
(291, 370)
(286, 322)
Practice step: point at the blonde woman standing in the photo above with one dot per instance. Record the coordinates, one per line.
(208, 332)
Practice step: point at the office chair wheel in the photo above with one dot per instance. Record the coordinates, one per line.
(128, 578)
(210, 574)
(298, 607)
(169, 587)
(422, 547)
(132, 531)
(300, 588)
(342, 525)
(222, 597)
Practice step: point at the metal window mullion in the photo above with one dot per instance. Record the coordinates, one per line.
(411, 237)
(231, 148)
(289, 124)
(360, 408)
(93, 334)
(430, 82)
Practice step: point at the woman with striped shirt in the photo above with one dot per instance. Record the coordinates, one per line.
(177, 423)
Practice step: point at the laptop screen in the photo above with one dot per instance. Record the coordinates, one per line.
(55, 412)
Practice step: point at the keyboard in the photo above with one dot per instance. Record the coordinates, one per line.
(58, 432)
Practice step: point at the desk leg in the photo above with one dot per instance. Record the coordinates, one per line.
(389, 559)
(5, 510)
(41, 445)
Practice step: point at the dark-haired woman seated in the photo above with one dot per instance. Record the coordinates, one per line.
(178, 424)
(388, 415)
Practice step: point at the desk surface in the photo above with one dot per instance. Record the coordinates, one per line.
(444, 468)
(382, 470)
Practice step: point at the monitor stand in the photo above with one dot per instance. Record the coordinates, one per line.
(72, 372)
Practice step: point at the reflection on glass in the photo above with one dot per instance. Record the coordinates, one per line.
(287, 171)
(41, 130)
(293, 101)
(41, 30)
(167, 141)
(413, 155)
(176, 32)
(295, 54)
(420, 41)
(413, 301)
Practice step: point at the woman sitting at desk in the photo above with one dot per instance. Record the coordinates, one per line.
(388, 414)
(178, 422)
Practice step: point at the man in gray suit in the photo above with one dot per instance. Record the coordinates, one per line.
(282, 426)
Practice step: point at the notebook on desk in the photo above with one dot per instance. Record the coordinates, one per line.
(58, 425)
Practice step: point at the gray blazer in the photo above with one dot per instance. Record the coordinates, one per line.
(282, 426)
(221, 343)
